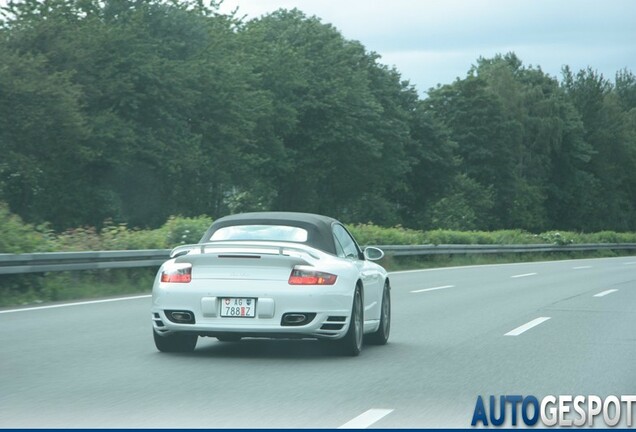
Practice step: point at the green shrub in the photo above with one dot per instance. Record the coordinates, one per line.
(79, 239)
(182, 230)
(609, 237)
(120, 237)
(440, 236)
(514, 237)
(369, 234)
(19, 237)
(558, 238)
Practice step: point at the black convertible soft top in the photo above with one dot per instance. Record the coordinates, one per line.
(319, 228)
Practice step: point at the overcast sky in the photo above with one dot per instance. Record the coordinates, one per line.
(436, 41)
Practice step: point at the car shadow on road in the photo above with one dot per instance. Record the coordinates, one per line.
(269, 348)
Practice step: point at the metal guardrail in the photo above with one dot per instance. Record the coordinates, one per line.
(64, 261)
(494, 249)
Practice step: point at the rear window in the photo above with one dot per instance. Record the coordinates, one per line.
(261, 232)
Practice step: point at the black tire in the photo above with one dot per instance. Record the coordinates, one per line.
(229, 338)
(175, 342)
(381, 335)
(351, 343)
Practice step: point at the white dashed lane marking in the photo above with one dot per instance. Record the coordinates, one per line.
(433, 289)
(604, 293)
(366, 419)
(527, 326)
(523, 275)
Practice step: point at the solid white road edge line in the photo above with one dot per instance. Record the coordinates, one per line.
(581, 267)
(433, 289)
(366, 419)
(527, 326)
(522, 275)
(504, 265)
(604, 293)
(76, 304)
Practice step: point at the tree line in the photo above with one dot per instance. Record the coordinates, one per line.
(135, 110)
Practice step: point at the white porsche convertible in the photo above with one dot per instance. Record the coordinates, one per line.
(272, 275)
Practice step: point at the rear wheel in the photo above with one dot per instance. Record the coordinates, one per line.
(351, 343)
(381, 335)
(175, 342)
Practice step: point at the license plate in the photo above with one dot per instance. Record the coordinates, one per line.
(238, 307)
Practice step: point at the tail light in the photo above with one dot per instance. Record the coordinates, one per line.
(177, 273)
(310, 277)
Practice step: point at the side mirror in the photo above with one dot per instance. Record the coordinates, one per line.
(373, 253)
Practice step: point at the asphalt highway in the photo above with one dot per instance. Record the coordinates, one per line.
(550, 328)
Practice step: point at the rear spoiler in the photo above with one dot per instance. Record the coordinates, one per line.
(243, 248)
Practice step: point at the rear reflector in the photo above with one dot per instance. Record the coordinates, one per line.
(181, 273)
(309, 277)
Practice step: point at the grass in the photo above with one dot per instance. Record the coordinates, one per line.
(32, 289)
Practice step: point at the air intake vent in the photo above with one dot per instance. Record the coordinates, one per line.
(157, 320)
(331, 327)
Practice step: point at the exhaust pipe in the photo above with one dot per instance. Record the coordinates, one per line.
(294, 318)
(297, 318)
(181, 317)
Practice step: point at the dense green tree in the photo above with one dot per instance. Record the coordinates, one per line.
(42, 131)
(341, 118)
(625, 89)
(520, 135)
(134, 110)
(463, 206)
(169, 111)
(541, 120)
(610, 133)
(476, 121)
(435, 164)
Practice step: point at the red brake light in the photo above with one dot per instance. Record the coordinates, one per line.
(309, 277)
(180, 274)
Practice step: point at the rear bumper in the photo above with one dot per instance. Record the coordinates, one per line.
(330, 304)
